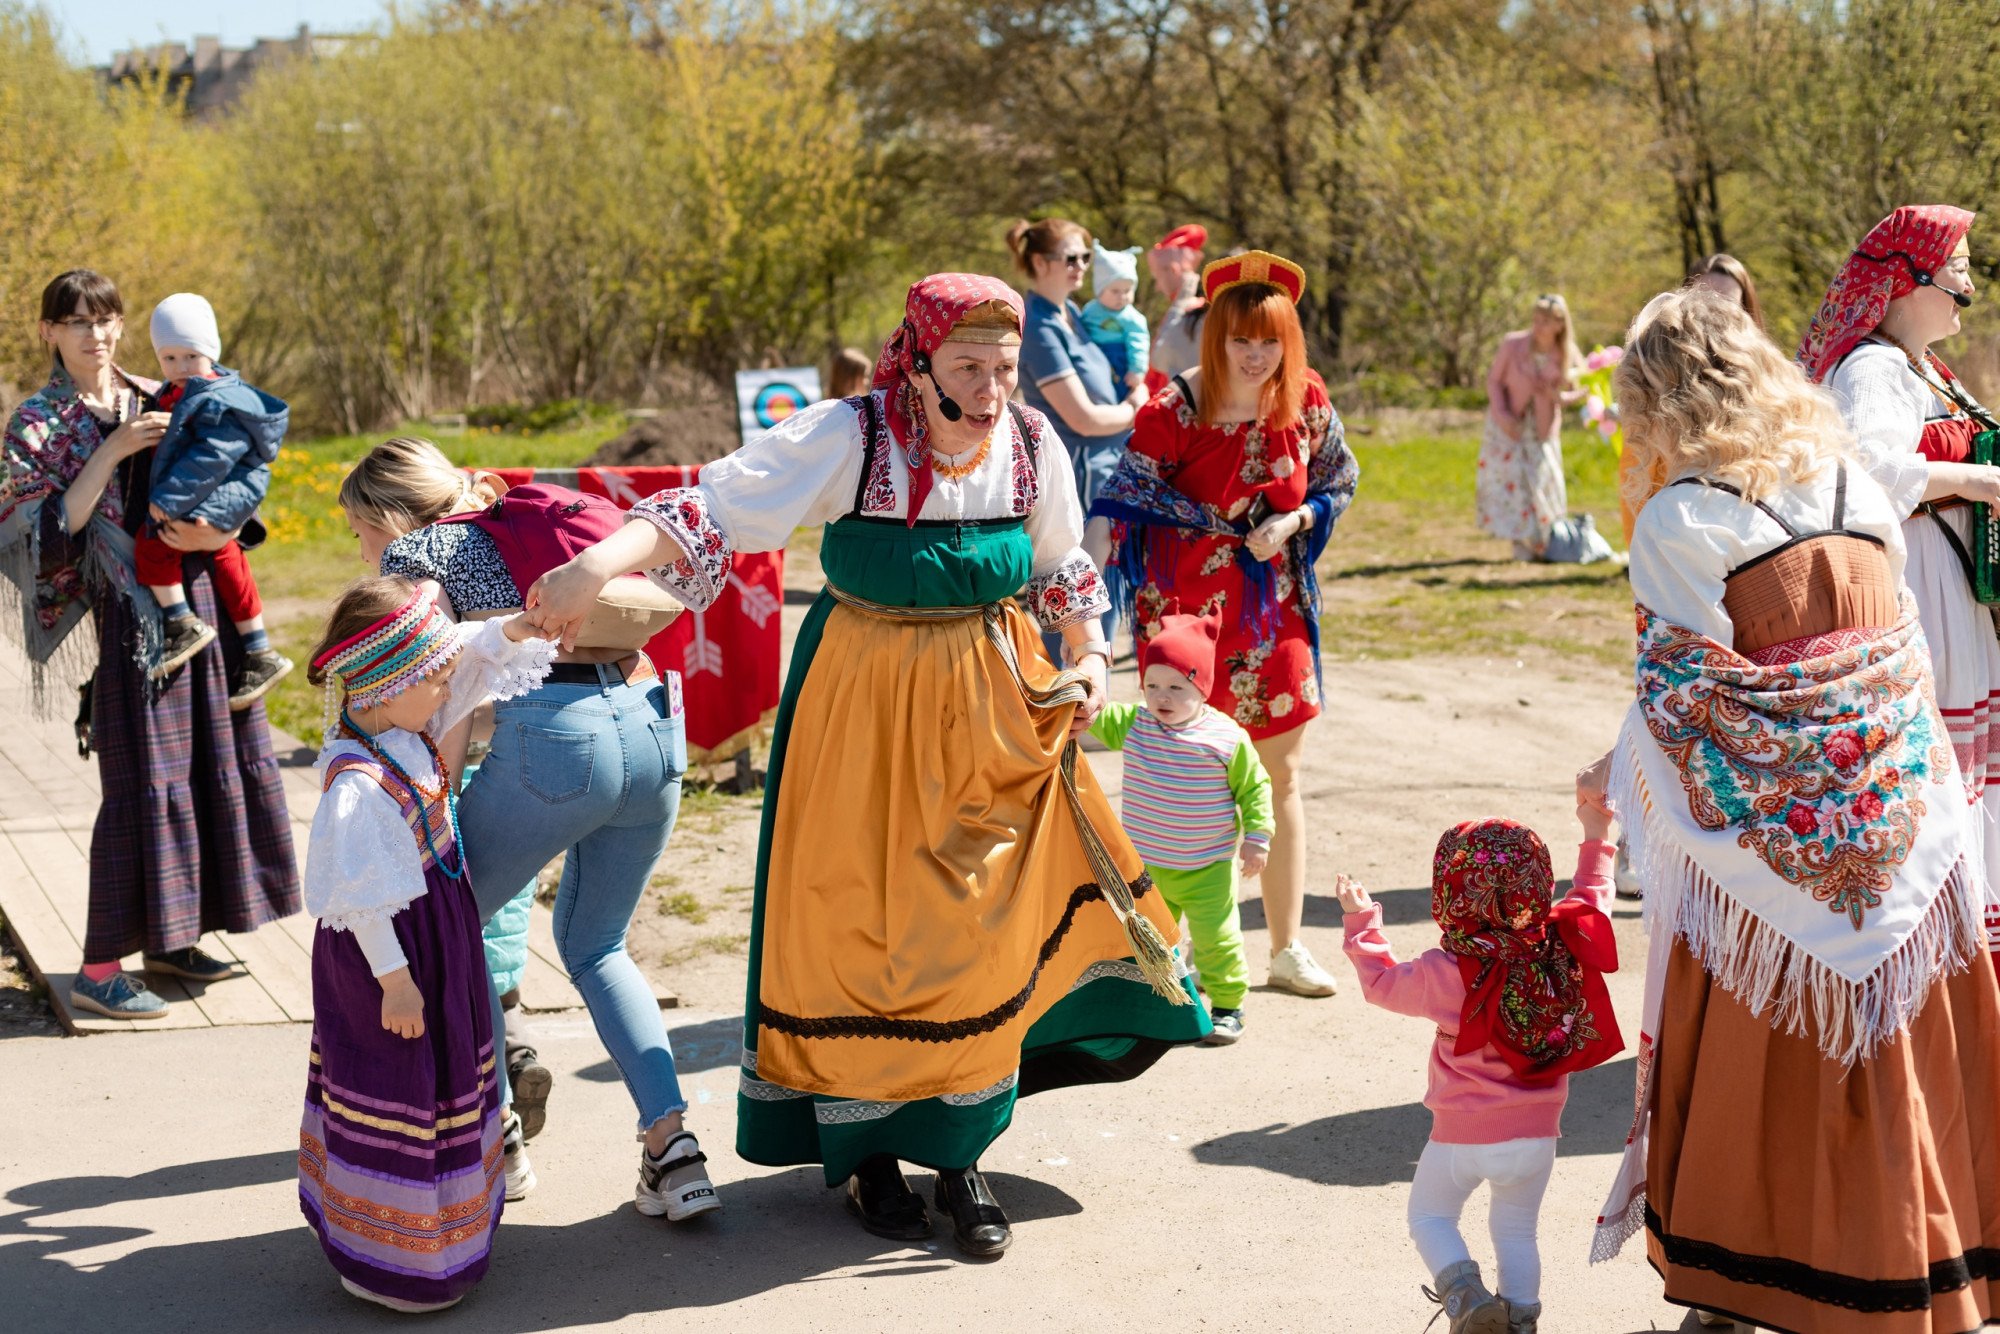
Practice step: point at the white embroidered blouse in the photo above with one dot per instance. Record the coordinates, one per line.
(363, 864)
(1689, 539)
(807, 471)
(1886, 404)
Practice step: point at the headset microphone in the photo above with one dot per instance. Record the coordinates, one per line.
(948, 408)
(1920, 277)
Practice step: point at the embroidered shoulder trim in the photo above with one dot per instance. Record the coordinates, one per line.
(684, 515)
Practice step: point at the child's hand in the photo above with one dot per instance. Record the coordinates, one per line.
(1353, 898)
(520, 630)
(402, 1004)
(1591, 783)
(1595, 819)
(1254, 856)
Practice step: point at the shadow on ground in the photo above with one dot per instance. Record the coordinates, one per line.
(1378, 1146)
(774, 1230)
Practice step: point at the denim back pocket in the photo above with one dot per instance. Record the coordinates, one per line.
(556, 764)
(671, 735)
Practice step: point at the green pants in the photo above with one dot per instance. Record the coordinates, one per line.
(1206, 896)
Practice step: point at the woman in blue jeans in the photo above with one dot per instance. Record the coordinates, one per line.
(587, 766)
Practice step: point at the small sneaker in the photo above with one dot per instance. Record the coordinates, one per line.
(116, 997)
(180, 639)
(193, 963)
(675, 1184)
(1625, 880)
(1464, 1301)
(1228, 1027)
(261, 670)
(1523, 1317)
(531, 1082)
(396, 1303)
(520, 1172)
(1294, 969)
(1710, 1320)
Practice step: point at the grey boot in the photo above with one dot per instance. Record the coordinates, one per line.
(1523, 1317)
(1464, 1301)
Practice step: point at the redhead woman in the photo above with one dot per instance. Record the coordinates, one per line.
(1226, 497)
(1520, 491)
(192, 835)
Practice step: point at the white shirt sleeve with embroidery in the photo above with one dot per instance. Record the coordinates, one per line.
(491, 666)
(1885, 405)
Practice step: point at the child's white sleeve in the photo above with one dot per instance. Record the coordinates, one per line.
(377, 939)
(491, 666)
(362, 867)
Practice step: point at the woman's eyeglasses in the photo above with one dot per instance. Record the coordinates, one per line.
(79, 325)
(1077, 261)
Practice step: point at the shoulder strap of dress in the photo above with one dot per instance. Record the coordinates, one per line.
(1724, 486)
(1026, 438)
(361, 763)
(871, 429)
(1840, 496)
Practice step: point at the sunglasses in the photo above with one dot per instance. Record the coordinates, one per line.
(1077, 261)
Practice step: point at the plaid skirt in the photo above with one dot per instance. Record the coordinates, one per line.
(192, 835)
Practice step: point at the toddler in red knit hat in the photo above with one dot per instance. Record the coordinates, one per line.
(1194, 792)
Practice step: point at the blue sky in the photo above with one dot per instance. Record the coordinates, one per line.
(96, 28)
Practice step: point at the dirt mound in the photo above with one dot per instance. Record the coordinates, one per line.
(675, 436)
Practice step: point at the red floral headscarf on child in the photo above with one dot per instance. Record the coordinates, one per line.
(1534, 973)
(931, 312)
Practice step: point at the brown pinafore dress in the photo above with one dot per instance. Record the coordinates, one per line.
(1785, 1189)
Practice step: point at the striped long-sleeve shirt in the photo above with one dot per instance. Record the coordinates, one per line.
(1190, 791)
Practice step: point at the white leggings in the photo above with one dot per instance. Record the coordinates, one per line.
(1447, 1174)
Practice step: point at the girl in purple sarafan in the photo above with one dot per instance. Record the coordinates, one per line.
(400, 1146)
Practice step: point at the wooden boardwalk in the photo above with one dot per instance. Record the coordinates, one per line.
(48, 803)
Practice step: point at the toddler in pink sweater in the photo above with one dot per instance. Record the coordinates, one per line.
(1516, 989)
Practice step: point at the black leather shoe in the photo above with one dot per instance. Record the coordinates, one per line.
(884, 1202)
(977, 1224)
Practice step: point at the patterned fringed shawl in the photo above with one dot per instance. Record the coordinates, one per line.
(1803, 827)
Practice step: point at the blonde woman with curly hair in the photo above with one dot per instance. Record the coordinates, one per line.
(1820, 1037)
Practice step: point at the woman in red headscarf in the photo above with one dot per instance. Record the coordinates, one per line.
(1227, 494)
(1899, 292)
(947, 915)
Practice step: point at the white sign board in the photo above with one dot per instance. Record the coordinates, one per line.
(765, 398)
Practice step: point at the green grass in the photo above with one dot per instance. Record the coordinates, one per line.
(311, 554)
(1408, 572)
(683, 904)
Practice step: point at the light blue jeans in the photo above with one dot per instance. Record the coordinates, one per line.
(592, 771)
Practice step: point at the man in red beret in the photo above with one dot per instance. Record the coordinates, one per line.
(1175, 263)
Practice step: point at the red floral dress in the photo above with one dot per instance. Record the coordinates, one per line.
(1265, 676)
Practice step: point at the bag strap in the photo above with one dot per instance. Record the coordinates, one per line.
(1187, 394)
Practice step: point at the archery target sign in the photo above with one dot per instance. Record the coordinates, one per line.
(765, 398)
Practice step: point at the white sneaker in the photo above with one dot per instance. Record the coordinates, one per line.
(514, 1155)
(675, 1184)
(1294, 969)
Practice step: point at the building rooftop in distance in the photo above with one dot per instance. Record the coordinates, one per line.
(212, 75)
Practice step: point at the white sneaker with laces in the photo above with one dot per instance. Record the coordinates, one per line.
(676, 1183)
(514, 1156)
(1294, 969)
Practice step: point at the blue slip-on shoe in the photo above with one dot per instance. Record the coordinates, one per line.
(193, 963)
(116, 997)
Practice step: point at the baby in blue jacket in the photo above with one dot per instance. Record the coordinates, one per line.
(213, 464)
(1113, 321)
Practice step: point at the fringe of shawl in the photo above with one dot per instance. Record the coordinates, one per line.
(1793, 992)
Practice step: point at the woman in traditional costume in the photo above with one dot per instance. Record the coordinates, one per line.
(1224, 500)
(1818, 1111)
(1519, 489)
(947, 916)
(192, 835)
(1913, 420)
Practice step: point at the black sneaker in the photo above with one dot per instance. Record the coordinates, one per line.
(195, 964)
(261, 670)
(180, 639)
(1228, 1027)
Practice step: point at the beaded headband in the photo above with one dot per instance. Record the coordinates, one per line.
(389, 656)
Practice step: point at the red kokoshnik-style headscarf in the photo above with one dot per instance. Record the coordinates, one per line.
(932, 310)
(1534, 973)
(1915, 239)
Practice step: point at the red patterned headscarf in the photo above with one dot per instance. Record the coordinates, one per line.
(1534, 973)
(1916, 239)
(933, 308)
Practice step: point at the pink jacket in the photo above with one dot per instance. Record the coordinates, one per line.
(1474, 1098)
(1513, 388)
